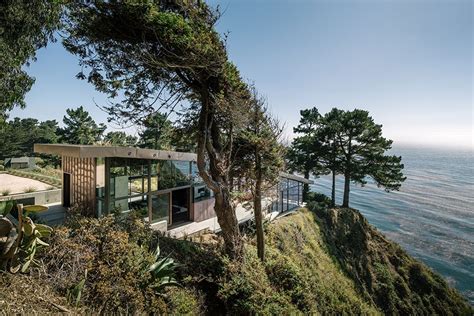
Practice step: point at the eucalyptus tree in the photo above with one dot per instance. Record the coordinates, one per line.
(305, 154)
(25, 27)
(155, 54)
(258, 157)
(363, 153)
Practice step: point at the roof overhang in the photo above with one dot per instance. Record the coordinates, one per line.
(90, 151)
(295, 178)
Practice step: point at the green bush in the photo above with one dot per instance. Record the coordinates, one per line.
(116, 254)
(245, 288)
(183, 301)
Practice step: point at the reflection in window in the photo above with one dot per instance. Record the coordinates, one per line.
(202, 192)
(160, 207)
(100, 177)
(172, 174)
(139, 204)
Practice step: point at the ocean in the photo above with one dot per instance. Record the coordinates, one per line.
(431, 217)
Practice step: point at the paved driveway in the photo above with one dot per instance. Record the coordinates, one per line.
(19, 185)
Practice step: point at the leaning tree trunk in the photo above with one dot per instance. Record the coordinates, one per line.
(228, 222)
(216, 176)
(257, 205)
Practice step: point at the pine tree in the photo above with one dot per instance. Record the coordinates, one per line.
(119, 139)
(157, 132)
(363, 153)
(80, 128)
(25, 27)
(258, 158)
(305, 154)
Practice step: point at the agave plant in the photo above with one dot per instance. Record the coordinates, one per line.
(162, 271)
(18, 245)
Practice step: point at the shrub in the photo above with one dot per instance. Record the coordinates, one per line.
(245, 288)
(183, 301)
(2, 168)
(319, 198)
(116, 253)
(6, 192)
(30, 189)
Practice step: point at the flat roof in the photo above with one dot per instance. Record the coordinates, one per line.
(92, 151)
(295, 177)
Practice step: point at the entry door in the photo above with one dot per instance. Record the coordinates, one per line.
(66, 189)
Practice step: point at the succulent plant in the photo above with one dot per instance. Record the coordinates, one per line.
(18, 245)
(162, 271)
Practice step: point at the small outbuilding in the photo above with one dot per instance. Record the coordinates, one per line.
(20, 163)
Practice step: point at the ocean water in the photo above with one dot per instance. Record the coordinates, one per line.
(431, 217)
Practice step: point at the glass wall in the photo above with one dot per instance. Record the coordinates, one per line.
(100, 185)
(200, 191)
(290, 195)
(133, 181)
(173, 174)
(160, 206)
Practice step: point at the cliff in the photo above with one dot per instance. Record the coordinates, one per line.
(318, 260)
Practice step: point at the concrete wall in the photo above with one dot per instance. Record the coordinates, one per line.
(40, 197)
(203, 210)
(160, 226)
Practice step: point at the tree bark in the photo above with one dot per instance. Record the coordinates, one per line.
(257, 205)
(333, 190)
(347, 188)
(306, 187)
(228, 222)
(347, 174)
(216, 176)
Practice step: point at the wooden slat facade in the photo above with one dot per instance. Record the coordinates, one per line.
(83, 182)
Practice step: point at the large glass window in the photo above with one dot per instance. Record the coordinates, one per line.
(132, 180)
(160, 206)
(172, 174)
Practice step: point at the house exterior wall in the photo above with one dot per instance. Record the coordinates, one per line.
(82, 171)
(203, 210)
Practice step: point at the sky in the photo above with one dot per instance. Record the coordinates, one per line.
(409, 63)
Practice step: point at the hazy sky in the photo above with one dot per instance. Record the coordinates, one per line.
(409, 63)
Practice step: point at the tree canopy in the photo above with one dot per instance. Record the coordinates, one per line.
(258, 159)
(156, 54)
(25, 27)
(348, 143)
(305, 154)
(19, 135)
(157, 132)
(119, 139)
(79, 128)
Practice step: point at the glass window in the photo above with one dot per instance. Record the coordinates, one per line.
(172, 174)
(100, 177)
(160, 205)
(139, 204)
(201, 192)
(165, 175)
(182, 171)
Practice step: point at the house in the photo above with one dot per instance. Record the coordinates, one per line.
(164, 186)
(20, 163)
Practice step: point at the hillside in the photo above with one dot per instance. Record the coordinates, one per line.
(320, 261)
